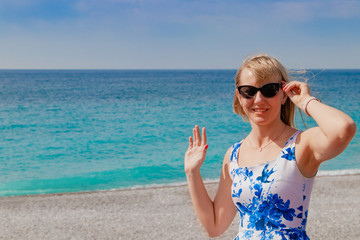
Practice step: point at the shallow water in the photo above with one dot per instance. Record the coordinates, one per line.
(84, 130)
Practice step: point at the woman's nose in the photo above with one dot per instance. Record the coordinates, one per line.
(258, 97)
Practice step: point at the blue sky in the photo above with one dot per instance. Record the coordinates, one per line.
(167, 34)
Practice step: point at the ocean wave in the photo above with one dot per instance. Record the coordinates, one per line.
(321, 173)
(339, 172)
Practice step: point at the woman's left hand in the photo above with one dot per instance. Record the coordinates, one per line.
(298, 92)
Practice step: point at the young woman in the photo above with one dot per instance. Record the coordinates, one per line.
(267, 177)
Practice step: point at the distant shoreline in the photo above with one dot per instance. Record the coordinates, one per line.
(159, 69)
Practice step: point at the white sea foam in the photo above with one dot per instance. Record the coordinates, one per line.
(211, 181)
(339, 172)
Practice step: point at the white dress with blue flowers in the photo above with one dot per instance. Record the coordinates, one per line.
(272, 198)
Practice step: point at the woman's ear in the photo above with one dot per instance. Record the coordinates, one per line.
(283, 100)
(238, 96)
(285, 96)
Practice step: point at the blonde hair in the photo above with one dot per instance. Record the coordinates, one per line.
(263, 67)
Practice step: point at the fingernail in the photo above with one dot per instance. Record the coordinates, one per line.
(206, 146)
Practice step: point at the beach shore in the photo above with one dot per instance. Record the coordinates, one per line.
(162, 213)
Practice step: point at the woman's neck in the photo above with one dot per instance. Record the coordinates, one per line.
(261, 135)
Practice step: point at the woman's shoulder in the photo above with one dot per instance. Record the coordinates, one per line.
(236, 145)
(294, 133)
(228, 154)
(232, 152)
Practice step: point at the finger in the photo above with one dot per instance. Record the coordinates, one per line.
(292, 88)
(289, 93)
(204, 151)
(204, 139)
(198, 137)
(288, 86)
(194, 135)
(305, 89)
(295, 86)
(190, 142)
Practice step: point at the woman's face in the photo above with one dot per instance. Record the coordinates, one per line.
(260, 110)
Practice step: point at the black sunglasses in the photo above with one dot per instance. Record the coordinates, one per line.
(268, 90)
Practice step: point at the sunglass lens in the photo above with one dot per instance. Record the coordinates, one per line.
(248, 91)
(269, 90)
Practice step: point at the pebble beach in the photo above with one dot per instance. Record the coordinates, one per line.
(162, 213)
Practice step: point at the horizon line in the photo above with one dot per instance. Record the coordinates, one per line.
(154, 69)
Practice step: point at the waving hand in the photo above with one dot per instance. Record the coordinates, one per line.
(196, 153)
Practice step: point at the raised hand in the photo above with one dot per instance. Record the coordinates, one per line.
(196, 153)
(298, 92)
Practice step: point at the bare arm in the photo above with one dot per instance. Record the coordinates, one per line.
(330, 138)
(217, 215)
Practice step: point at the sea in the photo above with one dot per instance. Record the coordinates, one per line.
(91, 130)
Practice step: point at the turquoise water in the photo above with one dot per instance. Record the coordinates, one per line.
(86, 130)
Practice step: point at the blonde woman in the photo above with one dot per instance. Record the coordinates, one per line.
(268, 176)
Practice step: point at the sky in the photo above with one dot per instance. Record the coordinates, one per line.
(177, 34)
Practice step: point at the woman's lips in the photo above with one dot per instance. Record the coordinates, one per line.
(259, 110)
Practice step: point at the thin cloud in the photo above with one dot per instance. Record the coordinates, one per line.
(309, 10)
(148, 34)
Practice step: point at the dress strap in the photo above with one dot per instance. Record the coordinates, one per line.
(235, 151)
(292, 139)
(234, 158)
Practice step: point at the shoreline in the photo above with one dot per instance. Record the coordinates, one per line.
(162, 212)
(321, 173)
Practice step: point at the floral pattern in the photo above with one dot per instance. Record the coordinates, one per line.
(272, 199)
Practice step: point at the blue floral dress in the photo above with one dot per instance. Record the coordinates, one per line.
(272, 198)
